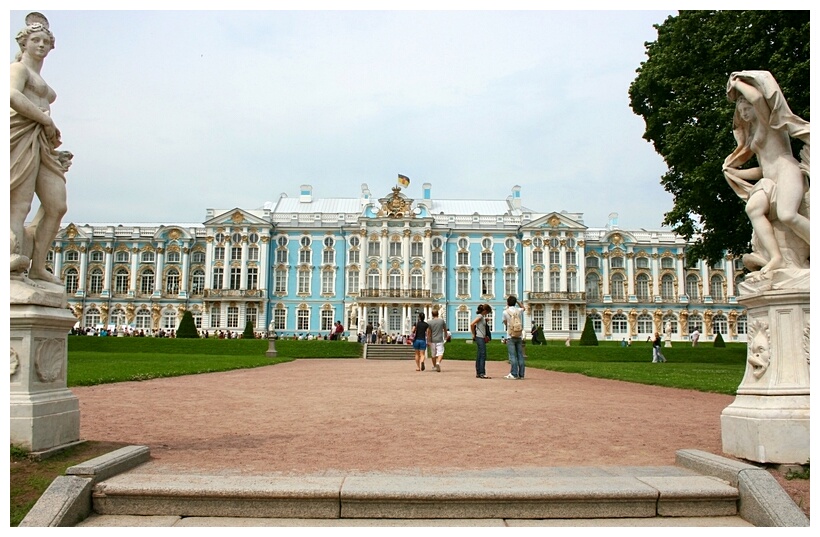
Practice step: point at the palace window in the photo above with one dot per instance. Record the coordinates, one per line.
(509, 259)
(672, 321)
(557, 320)
(437, 283)
(92, 317)
(642, 262)
(416, 280)
(716, 288)
(147, 282)
(373, 279)
(251, 315)
(462, 321)
(233, 317)
(96, 256)
(555, 257)
(219, 253)
(304, 282)
(169, 320)
(326, 320)
(121, 281)
(71, 281)
(538, 316)
(437, 258)
(667, 262)
(486, 258)
(252, 278)
(253, 238)
(486, 283)
(437, 242)
(236, 238)
(197, 315)
(142, 321)
(216, 315)
(173, 257)
(592, 262)
(281, 256)
(644, 323)
(280, 280)
(219, 237)
(328, 281)
(592, 286)
(642, 287)
(596, 321)
(172, 282)
(394, 279)
(572, 281)
(692, 287)
(302, 320)
(416, 249)
(741, 324)
(122, 256)
(667, 287)
(197, 282)
(71, 256)
(253, 253)
(695, 323)
(353, 282)
(219, 278)
(463, 283)
(197, 258)
(353, 257)
(117, 317)
(236, 253)
(395, 247)
(510, 283)
(571, 257)
(537, 257)
(329, 257)
(616, 262)
(555, 281)
(374, 246)
(279, 316)
(573, 319)
(538, 281)
(354, 242)
(235, 281)
(619, 324)
(148, 257)
(282, 241)
(720, 324)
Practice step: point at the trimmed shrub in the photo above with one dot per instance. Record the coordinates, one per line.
(588, 337)
(187, 327)
(248, 333)
(719, 341)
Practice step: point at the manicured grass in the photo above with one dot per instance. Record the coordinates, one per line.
(94, 360)
(704, 368)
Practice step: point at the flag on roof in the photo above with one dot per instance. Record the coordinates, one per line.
(404, 180)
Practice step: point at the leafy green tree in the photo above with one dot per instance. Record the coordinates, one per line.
(187, 327)
(248, 333)
(680, 92)
(719, 341)
(588, 337)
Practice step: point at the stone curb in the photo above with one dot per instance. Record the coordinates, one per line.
(763, 502)
(67, 500)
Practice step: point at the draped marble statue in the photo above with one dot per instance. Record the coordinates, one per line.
(776, 191)
(36, 167)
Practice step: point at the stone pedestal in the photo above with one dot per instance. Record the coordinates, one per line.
(271, 352)
(769, 420)
(44, 412)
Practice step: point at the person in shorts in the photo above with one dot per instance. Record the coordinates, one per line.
(420, 341)
(436, 333)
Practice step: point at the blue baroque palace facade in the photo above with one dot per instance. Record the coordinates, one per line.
(302, 263)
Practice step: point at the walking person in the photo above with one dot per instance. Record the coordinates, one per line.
(657, 355)
(420, 341)
(435, 338)
(514, 323)
(695, 337)
(479, 330)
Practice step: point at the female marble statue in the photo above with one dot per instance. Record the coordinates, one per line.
(36, 166)
(775, 190)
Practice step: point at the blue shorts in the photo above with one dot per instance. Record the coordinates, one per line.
(420, 344)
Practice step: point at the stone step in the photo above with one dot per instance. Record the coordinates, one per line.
(396, 351)
(416, 497)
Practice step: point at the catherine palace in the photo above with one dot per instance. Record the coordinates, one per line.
(301, 263)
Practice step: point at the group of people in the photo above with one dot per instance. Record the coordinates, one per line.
(432, 333)
(513, 320)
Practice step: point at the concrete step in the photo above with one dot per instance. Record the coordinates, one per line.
(416, 497)
(388, 351)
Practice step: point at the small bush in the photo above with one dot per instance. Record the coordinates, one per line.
(588, 337)
(187, 327)
(719, 341)
(248, 333)
(804, 474)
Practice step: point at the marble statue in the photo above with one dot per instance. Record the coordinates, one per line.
(777, 190)
(36, 167)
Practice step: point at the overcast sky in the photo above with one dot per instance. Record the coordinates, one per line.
(172, 112)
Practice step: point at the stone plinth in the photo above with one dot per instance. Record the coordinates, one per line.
(271, 352)
(769, 420)
(44, 412)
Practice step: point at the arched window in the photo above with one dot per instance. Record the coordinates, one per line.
(122, 256)
(642, 287)
(71, 256)
(147, 282)
(117, 317)
(673, 322)
(173, 257)
(667, 287)
(592, 286)
(741, 324)
(198, 282)
(416, 280)
(71, 281)
(692, 287)
(642, 262)
(644, 323)
(198, 257)
(592, 262)
(121, 278)
(95, 281)
(373, 279)
(394, 279)
(619, 324)
(716, 288)
(172, 282)
(617, 286)
(720, 324)
(695, 323)
(667, 262)
(142, 319)
(597, 325)
(92, 317)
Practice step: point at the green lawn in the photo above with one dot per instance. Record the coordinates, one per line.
(94, 360)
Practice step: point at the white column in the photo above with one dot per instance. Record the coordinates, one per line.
(656, 269)
(243, 283)
(630, 272)
(183, 284)
(107, 277)
(160, 266)
(704, 277)
(428, 258)
(209, 263)
(83, 269)
(263, 264)
(384, 250)
(406, 251)
(562, 253)
(526, 274)
(605, 268)
(58, 261)
(730, 277)
(681, 274)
